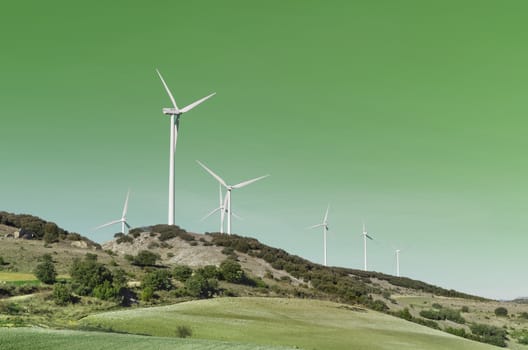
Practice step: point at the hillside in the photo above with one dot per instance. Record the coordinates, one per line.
(264, 272)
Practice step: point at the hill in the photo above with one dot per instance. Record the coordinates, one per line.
(225, 266)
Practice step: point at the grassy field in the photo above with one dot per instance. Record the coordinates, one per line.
(16, 277)
(307, 324)
(32, 338)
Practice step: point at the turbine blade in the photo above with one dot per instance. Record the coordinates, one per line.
(224, 207)
(314, 226)
(369, 237)
(245, 183)
(220, 195)
(210, 213)
(127, 225)
(213, 174)
(196, 103)
(108, 224)
(125, 207)
(326, 214)
(168, 91)
(236, 216)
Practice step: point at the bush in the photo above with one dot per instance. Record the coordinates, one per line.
(523, 315)
(501, 311)
(62, 294)
(145, 258)
(201, 287)
(183, 331)
(125, 239)
(106, 291)
(464, 309)
(231, 271)
(3, 262)
(45, 271)
(182, 272)
(158, 280)
(147, 294)
(88, 273)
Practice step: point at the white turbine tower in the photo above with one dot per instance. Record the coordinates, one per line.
(123, 219)
(365, 236)
(398, 262)
(175, 114)
(229, 188)
(220, 208)
(324, 224)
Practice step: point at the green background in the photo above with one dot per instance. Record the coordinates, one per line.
(410, 115)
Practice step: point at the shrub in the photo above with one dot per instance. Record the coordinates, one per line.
(436, 306)
(3, 262)
(145, 258)
(62, 294)
(231, 271)
(106, 291)
(524, 315)
(125, 239)
(158, 280)
(147, 294)
(182, 272)
(464, 309)
(501, 311)
(183, 331)
(45, 271)
(199, 286)
(87, 274)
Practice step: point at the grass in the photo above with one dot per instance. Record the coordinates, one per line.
(35, 338)
(17, 277)
(307, 324)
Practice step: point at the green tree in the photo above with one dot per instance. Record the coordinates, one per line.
(88, 273)
(199, 286)
(501, 311)
(182, 272)
(158, 280)
(45, 271)
(232, 271)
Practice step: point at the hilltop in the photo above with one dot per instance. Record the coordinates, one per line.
(163, 265)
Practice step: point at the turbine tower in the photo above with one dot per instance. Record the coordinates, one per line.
(365, 236)
(229, 188)
(324, 224)
(123, 219)
(398, 262)
(175, 114)
(222, 210)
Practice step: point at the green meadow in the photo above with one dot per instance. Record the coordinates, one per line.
(42, 339)
(306, 324)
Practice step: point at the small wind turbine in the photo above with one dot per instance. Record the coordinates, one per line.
(229, 188)
(175, 114)
(324, 224)
(123, 219)
(365, 236)
(222, 210)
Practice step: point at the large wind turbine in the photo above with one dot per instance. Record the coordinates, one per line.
(365, 236)
(123, 219)
(229, 188)
(222, 210)
(175, 114)
(324, 224)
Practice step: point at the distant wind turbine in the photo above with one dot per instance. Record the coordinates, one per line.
(365, 236)
(324, 224)
(398, 262)
(229, 188)
(222, 210)
(123, 219)
(175, 114)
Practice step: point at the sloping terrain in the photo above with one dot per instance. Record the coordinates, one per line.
(306, 324)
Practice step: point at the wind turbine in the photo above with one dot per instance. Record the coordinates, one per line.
(175, 114)
(222, 210)
(365, 236)
(229, 188)
(324, 224)
(123, 219)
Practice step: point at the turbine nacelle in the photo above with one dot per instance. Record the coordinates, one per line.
(171, 111)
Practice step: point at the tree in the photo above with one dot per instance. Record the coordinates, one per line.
(232, 271)
(45, 271)
(158, 280)
(182, 272)
(88, 273)
(201, 287)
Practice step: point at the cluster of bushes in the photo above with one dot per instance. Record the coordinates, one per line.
(406, 315)
(167, 232)
(33, 227)
(484, 334)
(200, 283)
(143, 258)
(441, 314)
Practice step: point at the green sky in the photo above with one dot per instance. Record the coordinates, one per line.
(410, 115)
